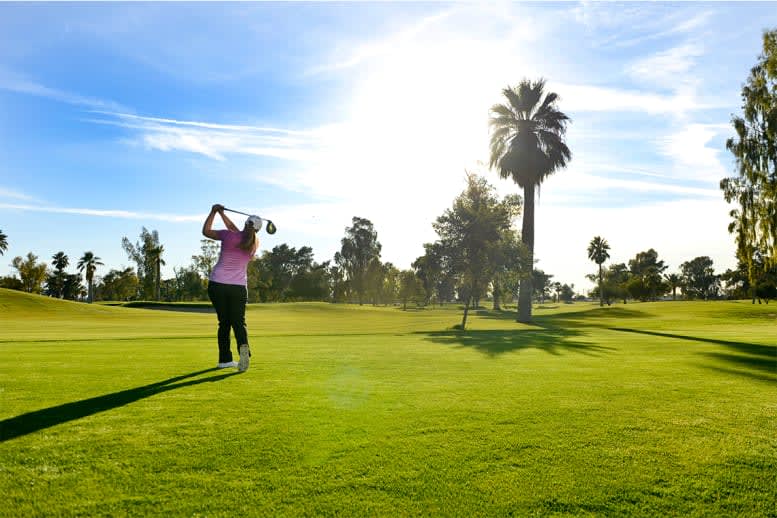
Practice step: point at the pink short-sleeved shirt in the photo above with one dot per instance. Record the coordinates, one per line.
(232, 263)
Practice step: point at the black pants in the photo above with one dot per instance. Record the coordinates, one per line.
(230, 303)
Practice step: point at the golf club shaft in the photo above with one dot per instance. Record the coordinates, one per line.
(236, 211)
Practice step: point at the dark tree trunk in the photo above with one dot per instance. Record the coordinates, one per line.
(497, 296)
(527, 236)
(466, 311)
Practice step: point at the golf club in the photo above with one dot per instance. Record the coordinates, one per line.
(269, 228)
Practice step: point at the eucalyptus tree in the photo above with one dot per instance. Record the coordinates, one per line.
(88, 264)
(155, 256)
(358, 249)
(206, 259)
(144, 255)
(599, 252)
(754, 189)
(527, 145)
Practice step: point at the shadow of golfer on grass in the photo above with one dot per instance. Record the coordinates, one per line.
(47, 417)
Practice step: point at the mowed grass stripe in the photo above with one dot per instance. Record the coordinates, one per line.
(570, 416)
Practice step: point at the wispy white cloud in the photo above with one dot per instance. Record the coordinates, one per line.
(214, 140)
(690, 150)
(13, 82)
(365, 52)
(123, 214)
(14, 194)
(589, 98)
(685, 25)
(669, 68)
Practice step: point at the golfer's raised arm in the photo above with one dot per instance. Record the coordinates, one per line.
(207, 227)
(228, 222)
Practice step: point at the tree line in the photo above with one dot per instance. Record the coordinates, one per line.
(645, 278)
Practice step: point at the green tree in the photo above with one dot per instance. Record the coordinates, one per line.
(391, 284)
(31, 273)
(617, 277)
(11, 282)
(599, 252)
(142, 253)
(674, 281)
(3, 243)
(541, 284)
(470, 233)
(312, 283)
(187, 284)
(88, 264)
(435, 273)
(375, 281)
(646, 281)
(341, 288)
(119, 285)
(699, 279)
(527, 145)
(155, 256)
(72, 289)
(206, 260)
(754, 147)
(358, 249)
(567, 293)
(410, 287)
(511, 262)
(56, 280)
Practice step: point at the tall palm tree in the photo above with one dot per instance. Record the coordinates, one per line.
(527, 145)
(89, 262)
(155, 254)
(60, 260)
(598, 252)
(3, 243)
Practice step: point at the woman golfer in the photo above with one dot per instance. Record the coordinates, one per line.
(227, 286)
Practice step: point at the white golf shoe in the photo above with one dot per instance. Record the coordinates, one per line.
(245, 358)
(226, 365)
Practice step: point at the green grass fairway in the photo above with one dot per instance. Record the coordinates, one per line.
(654, 409)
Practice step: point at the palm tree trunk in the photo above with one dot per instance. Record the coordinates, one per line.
(601, 287)
(527, 236)
(158, 280)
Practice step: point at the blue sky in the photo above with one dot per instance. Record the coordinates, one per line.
(119, 116)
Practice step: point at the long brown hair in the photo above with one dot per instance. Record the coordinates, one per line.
(249, 238)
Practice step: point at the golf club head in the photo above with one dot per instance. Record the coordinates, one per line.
(270, 227)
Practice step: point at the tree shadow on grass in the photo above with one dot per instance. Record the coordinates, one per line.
(47, 417)
(552, 340)
(565, 317)
(595, 313)
(756, 359)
